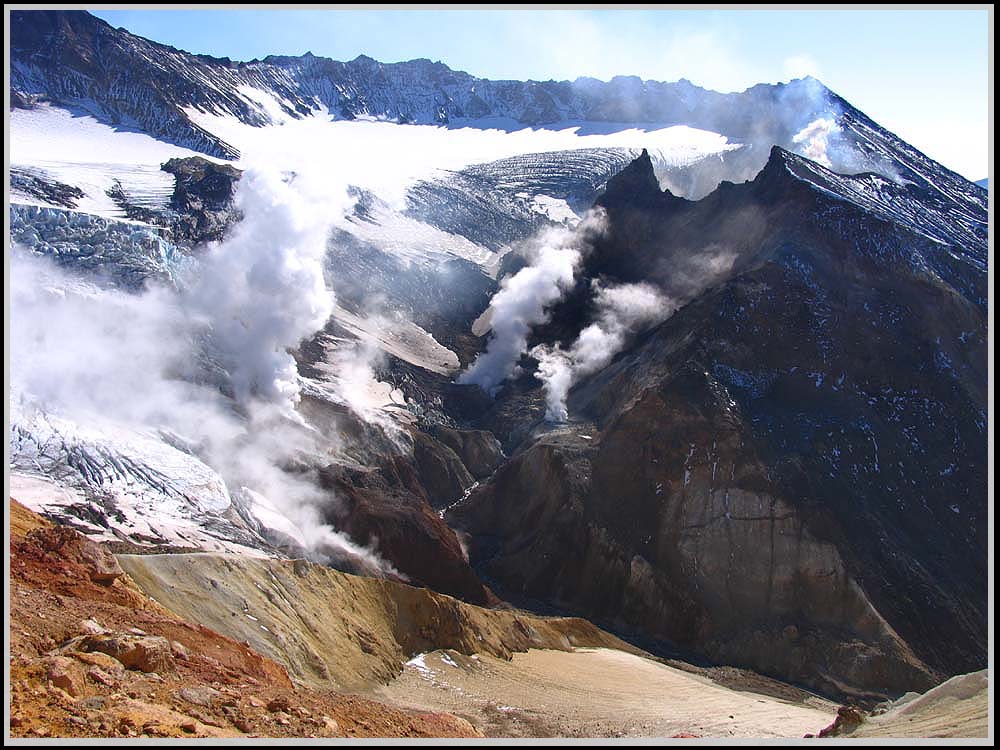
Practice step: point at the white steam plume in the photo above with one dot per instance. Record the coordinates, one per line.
(626, 309)
(814, 139)
(555, 370)
(823, 140)
(524, 300)
(78, 348)
(260, 291)
(351, 367)
(622, 311)
(100, 356)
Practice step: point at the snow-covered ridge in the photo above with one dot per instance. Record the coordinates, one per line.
(926, 202)
(77, 149)
(436, 193)
(76, 59)
(287, 108)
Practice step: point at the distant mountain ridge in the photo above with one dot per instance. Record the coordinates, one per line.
(76, 59)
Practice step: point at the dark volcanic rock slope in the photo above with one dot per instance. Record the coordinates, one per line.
(790, 472)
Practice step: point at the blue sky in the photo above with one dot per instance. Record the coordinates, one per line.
(923, 73)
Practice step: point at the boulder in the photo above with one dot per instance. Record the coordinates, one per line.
(279, 704)
(65, 674)
(143, 653)
(100, 676)
(70, 545)
(92, 627)
(848, 719)
(329, 727)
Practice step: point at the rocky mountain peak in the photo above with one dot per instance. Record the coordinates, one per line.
(777, 176)
(57, 20)
(636, 185)
(72, 34)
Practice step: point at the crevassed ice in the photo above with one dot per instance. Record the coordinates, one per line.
(127, 252)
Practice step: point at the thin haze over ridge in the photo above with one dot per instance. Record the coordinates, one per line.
(890, 64)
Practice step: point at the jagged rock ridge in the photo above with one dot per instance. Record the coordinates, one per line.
(788, 473)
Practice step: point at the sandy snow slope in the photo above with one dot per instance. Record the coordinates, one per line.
(417, 649)
(595, 692)
(956, 708)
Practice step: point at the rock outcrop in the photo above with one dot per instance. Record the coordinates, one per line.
(385, 508)
(756, 479)
(331, 628)
(479, 450)
(65, 547)
(202, 199)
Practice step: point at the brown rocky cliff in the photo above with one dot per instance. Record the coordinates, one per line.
(331, 628)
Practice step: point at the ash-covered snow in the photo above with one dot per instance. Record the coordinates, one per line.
(415, 241)
(556, 209)
(402, 338)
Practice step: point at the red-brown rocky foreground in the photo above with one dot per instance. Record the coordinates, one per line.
(92, 656)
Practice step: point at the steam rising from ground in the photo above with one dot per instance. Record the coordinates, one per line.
(622, 310)
(802, 116)
(352, 369)
(814, 139)
(156, 361)
(524, 300)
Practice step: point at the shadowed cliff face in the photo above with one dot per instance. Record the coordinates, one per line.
(790, 472)
(202, 198)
